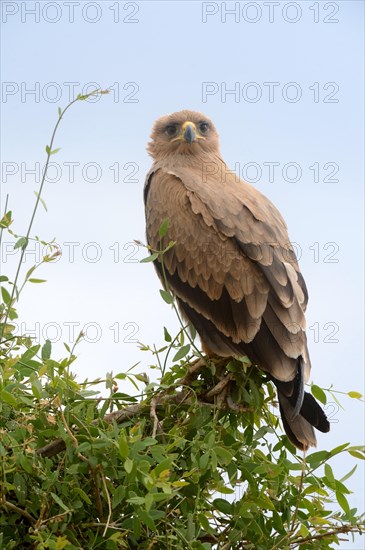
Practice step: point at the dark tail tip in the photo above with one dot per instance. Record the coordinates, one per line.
(299, 427)
(314, 413)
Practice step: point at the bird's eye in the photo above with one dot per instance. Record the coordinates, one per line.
(203, 127)
(171, 129)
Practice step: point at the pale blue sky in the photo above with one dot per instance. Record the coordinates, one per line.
(165, 57)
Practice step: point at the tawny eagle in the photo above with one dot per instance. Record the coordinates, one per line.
(233, 270)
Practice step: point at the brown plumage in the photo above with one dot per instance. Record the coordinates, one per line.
(232, 269)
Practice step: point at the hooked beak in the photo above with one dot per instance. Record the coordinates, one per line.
(189, 132)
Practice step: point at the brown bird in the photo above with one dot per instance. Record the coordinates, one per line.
(233, 270)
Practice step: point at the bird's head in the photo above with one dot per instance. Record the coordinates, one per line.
(183, 133)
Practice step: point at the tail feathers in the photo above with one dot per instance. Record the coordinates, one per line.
(293, 390)
(299, 427)
(299, 410)
(314, 413)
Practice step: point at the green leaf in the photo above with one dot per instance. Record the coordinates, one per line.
(142, 377)
(55, 151)
(190, 531)
(222, 505)
(118, 496)
(150, 258)
(303, 531)
(21, 243)
(164, 227)
(59, 502)
(30, 271)
(166, 335)
(104, 408)
(3, 278)
(203, 461)
(224, 456)
(318, 457)
(136, 500)
(48, 150)
(128, 465)
(136, 528)
(205, 524)
(339, 449)
(342, 501)
(41, 201)
(6, 220)
(347, 476)
(59, 110)
(356, 454)
(37, 280)
(319, 394)
(146, 518)
(167, 296)
(192, 331)
(329, 473)
(46, 350)
(5, 295)
(164, 465)
(123, 447)
(355, 395)
(83, 495)
(182, 352)
(8, 398)
(148, 501)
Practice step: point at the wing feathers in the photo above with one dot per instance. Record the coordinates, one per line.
(230, 265)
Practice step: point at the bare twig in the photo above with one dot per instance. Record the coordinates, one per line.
(338, 531)
(300, 489)
(73, 438)
(109, 503)
(53, 448)
(42, 512)
(97, 494)
(56, 517)
(20, 511)
(193, 368)
(154, 417)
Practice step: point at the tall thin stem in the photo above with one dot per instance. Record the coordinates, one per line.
(49, 153)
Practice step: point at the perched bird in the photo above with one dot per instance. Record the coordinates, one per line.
(233, 270)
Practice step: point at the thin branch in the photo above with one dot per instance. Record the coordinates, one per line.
(20, 511)
(343, 529)
(56, 517)
(73, 438)
(109, 503)
(193, 368)
(5, 209)
(49, 153)
(180, 398)
(220, 386)
(97, 494)
(154, 417)
(300, 489)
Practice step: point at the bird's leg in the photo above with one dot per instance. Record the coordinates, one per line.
(222, 392)
(221, 398)
(218, 388)
(193, 369)
(232, 405)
